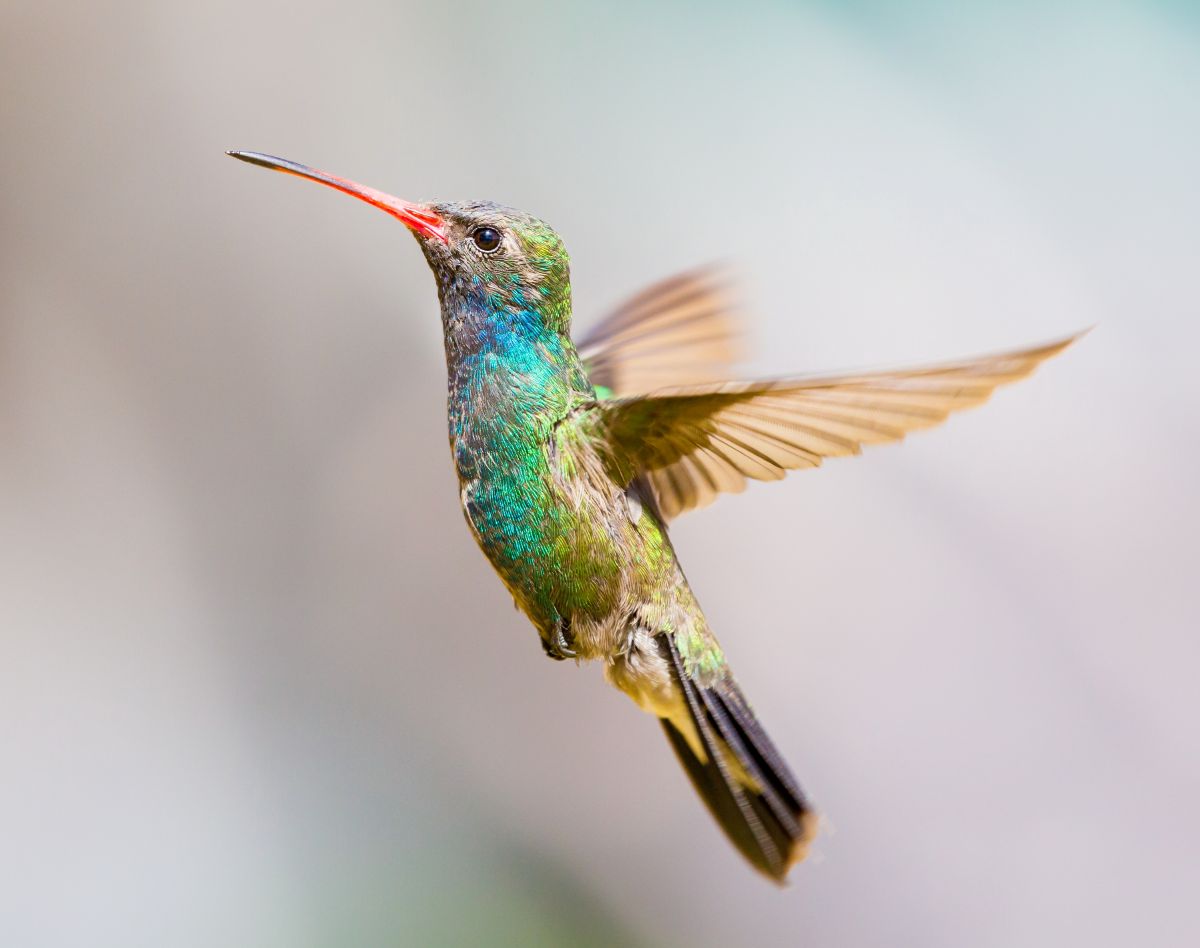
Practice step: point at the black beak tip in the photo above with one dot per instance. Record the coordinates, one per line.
(252, 157)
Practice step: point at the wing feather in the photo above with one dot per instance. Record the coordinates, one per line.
(698, 441)
(681, 331)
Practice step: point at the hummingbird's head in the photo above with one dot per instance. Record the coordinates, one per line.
(508, 260)
(491, 262)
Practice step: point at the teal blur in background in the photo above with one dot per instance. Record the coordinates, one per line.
(258, 686)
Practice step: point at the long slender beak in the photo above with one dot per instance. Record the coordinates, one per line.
(416, 217)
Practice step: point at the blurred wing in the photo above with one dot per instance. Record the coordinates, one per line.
(682, 331)
(694, 443)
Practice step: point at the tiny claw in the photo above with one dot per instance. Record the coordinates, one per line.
(550, 651)
(561, 645)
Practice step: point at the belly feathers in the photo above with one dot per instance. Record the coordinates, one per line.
(551, 540)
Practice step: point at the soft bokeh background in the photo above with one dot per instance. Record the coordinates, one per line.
(257, 686)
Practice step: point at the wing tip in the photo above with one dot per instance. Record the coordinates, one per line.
(1054, 347)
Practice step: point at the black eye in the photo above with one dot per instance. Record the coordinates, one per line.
(486, 239)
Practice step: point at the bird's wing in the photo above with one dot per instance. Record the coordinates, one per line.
(681, 331)
(696, 442)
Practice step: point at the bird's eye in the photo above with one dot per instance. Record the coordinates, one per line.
(486, 239)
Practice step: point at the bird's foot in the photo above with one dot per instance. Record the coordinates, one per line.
(561, 643)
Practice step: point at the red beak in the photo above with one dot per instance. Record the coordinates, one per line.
(416, 217)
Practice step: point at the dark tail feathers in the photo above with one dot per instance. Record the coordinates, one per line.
(770, 821)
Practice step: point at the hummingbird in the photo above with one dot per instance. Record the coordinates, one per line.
(572, 458)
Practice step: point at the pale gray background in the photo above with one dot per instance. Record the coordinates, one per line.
(257, 686)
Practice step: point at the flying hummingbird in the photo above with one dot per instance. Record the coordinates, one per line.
(572, 457)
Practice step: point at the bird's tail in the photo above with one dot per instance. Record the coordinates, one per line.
(740, 775)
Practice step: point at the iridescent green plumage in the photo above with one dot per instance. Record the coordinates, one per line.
(572, 460)
(537, 485)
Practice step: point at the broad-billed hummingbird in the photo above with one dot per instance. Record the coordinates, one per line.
(573, 456)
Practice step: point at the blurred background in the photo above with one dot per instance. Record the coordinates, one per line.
(259, 688)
